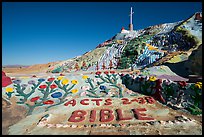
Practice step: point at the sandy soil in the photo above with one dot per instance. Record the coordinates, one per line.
(31, 69)
(11, 114)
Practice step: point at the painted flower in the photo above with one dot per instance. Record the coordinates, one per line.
(24, 85)
(84, 77)
(53, 86)
(60, 77)
(61, 74)
(74, 91)
(34, 99)
(31, 82)
(42, 86)
(41, 79)
(17, 81)
(112, 72)
(74, 81)
(9, 89)
(198, 85)
(65, 82)
(182, 83)
(106, 72)
(85, 87)
(48, 102)
(51, 79)
(102, 87)
(56, 95)
(83, 93)
(98, 73)
(152, 78)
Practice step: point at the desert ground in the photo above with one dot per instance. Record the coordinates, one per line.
(14, 116)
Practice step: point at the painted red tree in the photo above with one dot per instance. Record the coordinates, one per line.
(97, 66)
(84, 65)
(76, 66)
(111, 64)
(103, 66)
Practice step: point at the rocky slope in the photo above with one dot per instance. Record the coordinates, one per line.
(143, 48)
(155, 45)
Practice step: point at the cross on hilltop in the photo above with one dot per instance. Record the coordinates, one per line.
(131, 25)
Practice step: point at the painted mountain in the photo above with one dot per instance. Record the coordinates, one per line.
(177, 45)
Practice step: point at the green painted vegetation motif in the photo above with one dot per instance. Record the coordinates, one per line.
(60, 88)
(48, 89)
(188, 38)
(132, 50)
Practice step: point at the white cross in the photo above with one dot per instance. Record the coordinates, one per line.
(131, 15)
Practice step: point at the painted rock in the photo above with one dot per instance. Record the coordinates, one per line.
(116, 125)
(74, 126)
(103, 125)
(50, 125)
(94, 125)
(122, 125)
(68, 125)
(176, 122)
(5, 80)
(128, 125)
(56, 95)
(85, 125)
(3, 73)
(80, 126)
(109, 125)
(59, 125)
(162, 122)
(170, 122)
(41, 124)
(65, 126)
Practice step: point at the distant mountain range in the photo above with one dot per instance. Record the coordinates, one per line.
(15, 66)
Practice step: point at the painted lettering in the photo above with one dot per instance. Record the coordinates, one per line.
(141, 116)
(150, 100)
(72, 102)
(83, 102)
(97, 101)
(77, 116)
(125, 101)
(120, 115)
(108, 101)
(92, 116)
(106, 117)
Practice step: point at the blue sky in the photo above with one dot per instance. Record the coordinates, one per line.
(42, 32)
